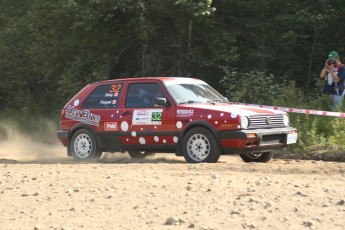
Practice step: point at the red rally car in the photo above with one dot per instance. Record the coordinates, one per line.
(184, 116)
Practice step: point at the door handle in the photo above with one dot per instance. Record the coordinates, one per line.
(124, 113)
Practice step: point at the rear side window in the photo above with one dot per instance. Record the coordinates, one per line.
(104, 97)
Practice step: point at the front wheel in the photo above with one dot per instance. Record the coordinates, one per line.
(83, 146)
(199, 145)
(263, 157)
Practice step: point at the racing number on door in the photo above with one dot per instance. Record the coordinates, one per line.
(156, 116)
(115, 88)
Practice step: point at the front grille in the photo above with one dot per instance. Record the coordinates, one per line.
(273, 139)
(266, 121)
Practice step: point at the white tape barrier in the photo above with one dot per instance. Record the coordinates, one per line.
(295, 110)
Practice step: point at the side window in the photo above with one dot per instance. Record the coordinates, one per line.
(143, 95)
(104, 97)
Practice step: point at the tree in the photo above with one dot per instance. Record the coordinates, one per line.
(51, 49)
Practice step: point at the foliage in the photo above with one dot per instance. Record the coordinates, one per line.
(252, 87)
(267, 52)
(313, 131)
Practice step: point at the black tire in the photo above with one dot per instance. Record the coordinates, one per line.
(263, 157)
(83, 146)
(200, 146)
(136, 154)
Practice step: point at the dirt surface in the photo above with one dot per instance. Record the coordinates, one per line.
(40, 188)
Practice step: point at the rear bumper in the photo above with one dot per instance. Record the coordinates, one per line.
(63, 136)
(254, 141)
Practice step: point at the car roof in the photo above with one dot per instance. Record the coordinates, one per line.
(145, 78)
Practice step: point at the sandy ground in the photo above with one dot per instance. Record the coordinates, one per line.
(40, 188)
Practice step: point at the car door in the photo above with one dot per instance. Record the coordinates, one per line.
(104, 102)
(143, 125)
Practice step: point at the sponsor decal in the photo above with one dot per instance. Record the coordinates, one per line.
(83, 115)
(142, 112)
(105, 102)
(184, 112)
(110, 126)
(113, 102)
(291, 138)
(109, 95)
(147, 117)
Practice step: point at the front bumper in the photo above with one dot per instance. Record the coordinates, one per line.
(256, 140)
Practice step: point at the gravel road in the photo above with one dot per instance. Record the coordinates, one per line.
(164, 192)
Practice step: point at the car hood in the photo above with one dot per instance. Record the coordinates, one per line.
(233, 108)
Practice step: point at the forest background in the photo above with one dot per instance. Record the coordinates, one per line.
(265, 52)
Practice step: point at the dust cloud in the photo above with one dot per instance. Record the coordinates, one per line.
(42, 145)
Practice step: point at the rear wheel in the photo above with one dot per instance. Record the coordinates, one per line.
(135, 154)
(83, 146)
(257, 157)
(199, 145)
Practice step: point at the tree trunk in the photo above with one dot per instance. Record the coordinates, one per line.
(142, 20)
(310, 62)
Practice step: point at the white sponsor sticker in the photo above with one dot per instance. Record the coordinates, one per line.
(184, 112)
(147, 117)
(83, 115)
(110, 126)
(291, 138)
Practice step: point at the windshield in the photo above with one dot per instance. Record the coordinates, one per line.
(195, 93)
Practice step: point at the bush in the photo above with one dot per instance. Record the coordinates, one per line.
(314, 132)
(252, 87)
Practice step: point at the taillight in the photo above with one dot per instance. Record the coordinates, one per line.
(62, 112)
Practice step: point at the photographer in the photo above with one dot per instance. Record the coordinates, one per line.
(334, 74)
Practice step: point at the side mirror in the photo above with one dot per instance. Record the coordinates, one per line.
(161, 101)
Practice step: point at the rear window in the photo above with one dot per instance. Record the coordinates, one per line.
(104, 97)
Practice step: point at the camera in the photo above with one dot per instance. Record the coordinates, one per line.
(330, 62)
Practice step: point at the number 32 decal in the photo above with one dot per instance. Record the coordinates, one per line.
(115, 88)
(156, 116)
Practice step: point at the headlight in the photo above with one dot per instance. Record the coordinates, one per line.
(244, 122)
(286, 120)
